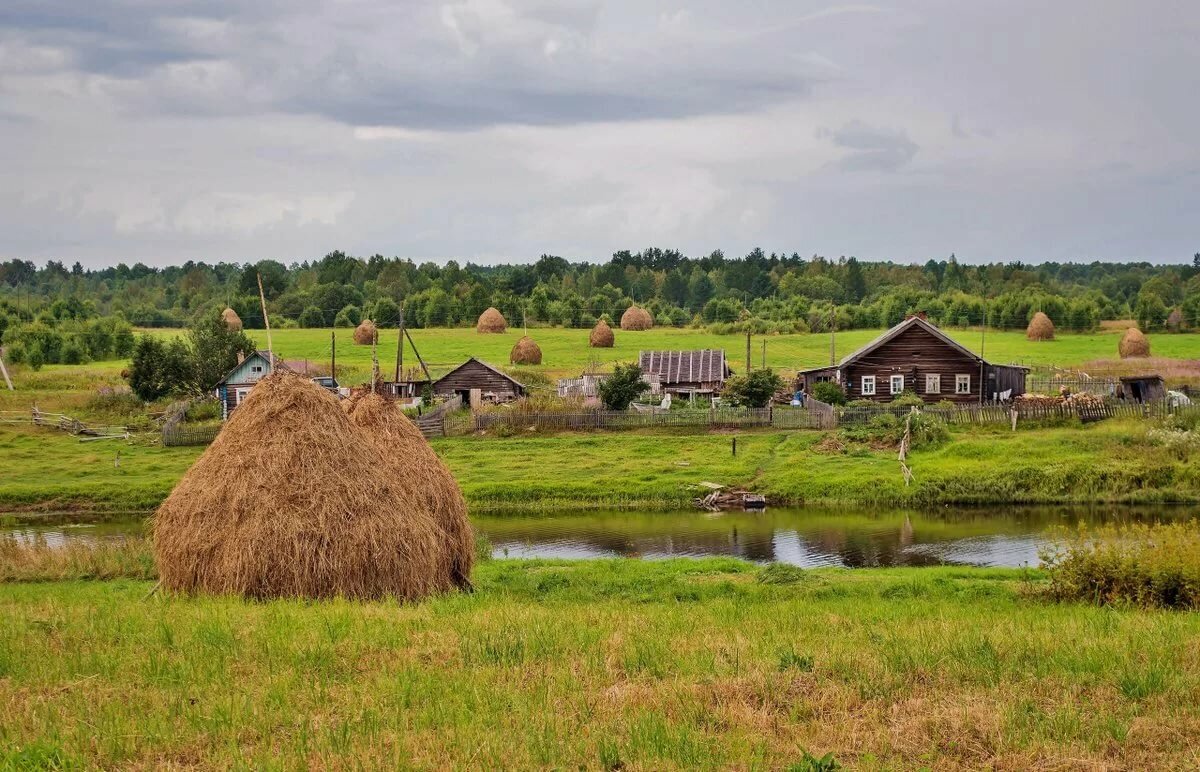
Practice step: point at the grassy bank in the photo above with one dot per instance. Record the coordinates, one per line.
(1109, 462)
(646, 665)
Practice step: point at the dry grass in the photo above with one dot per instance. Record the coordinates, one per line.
(1173, 370)
(231, 319)
(365, 333)
(491, 320)
(601, 336)
(1040, 328)
(1133, 344)
(413, 461)
(293, 500)
(636, 318)
(525, 352)
(37, 561)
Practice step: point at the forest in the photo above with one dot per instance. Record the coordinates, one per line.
(57, 313)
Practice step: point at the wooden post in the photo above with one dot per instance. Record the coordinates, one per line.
(747, 353)
(735, 446)
(400, 346)
(262, 298)
(333, 355)
(832, 333)
(4, 370)
(408, 335)
(764, 354)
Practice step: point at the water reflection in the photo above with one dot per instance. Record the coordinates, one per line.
(995, 536)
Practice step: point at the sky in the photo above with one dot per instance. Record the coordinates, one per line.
(498, 130)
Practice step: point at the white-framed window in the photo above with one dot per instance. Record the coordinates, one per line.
(897, 384)
(933, 383)
(868, 385)
(239, 395)
(962, 384)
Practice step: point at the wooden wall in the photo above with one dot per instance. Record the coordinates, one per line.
(475, 375)
(914, 353)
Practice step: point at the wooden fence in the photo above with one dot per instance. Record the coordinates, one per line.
(1100, 387)
(178, 434)
(719, 418)
(66, 423)
(436, 423)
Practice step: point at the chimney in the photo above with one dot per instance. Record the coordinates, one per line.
(241, 357)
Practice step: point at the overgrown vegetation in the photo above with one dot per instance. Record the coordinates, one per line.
(624, 664)
(753, 390)
(1144, 565)
(622, 387)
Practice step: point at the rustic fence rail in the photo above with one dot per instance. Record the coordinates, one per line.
(437, 422)
(620, 419)
(178, 434)
(65, 423)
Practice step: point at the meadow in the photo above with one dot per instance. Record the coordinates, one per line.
(677, 664)
(1113, 461)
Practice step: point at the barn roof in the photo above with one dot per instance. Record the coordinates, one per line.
(495, 370)
(277, 363)
(701, 366)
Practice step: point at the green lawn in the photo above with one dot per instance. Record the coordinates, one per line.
(602, 665)
(1108, 462)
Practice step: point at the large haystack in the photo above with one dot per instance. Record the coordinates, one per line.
(526, 352)
(409, 457)
(292, 500)
(1133, 344)
(491, 320)
(1040, 328)
(601, 336)
(1175, 320)
(365, 332)
(231, 319)
(636, 318)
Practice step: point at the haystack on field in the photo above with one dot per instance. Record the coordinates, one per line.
(365, 333)
(411, 459)
(525, 352)
(1133, 344)
(491, 320)
(601, 336)
(636, 318)
(231, 319)
(292, 499)
(1040, 327)
(1175, 320)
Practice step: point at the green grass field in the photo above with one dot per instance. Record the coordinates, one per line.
(602, 665)
(1108, 462)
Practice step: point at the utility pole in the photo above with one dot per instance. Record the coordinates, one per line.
(982, 340)
(747, 353)
(333, 354)
(400, 346)
(832, 333)
(764, 354)
(263, 299)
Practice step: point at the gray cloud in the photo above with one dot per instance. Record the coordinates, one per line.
(874, 149)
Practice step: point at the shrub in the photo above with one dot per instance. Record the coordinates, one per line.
(1180, 443)
(118, 401)
(829, 393)
(350, 316)
(908, 398)
(1145, 565)
(753, 390)
(35, 359)
(311, 317)
(622, 387)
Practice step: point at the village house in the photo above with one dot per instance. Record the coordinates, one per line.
(478, 382)
(916, 356)
(236, 384)
(685, 374)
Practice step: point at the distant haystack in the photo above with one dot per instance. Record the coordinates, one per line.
(231, 319)
(1133, 344)
(1040, 328)
(636, 318)
(1175, 320)
(491, 320)
(601, 336)
(526, 352)
(293, 500)
(365, 332)
(409, 455)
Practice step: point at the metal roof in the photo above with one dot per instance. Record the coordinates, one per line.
(705, 365)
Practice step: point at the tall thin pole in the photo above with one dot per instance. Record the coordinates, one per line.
(748, 365)
(832, 333)
(4, 370)
(400, 346)
(982, 341)
(333, 354)
(764, 354)
(262, 298)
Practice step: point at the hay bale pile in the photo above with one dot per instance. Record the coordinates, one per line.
(526, 352)
(1040, 328)
(231, 319)
(365, 332)
(491, 320)
(636, 318)
(1133, 344)
(410, 457)
(601, 336)
(293, 500)
(1175, 320)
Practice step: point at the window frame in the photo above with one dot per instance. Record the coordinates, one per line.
(934, 380)
(892, 384)
(960, 380)
(256, 369)
(863, 385)
(239, 395)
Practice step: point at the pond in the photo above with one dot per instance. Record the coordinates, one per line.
(991, 536)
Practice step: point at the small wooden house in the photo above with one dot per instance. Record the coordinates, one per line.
(916, 356)
(685, 373)
(236, 384)
(1143, 388)
(474, 375)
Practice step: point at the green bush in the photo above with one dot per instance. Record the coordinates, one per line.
(908, 398)
(829, 393)
(1155, 566)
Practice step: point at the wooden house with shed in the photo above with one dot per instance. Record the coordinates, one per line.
(685, 373)
(476, 381)
(916, 356)
(1143, 388)
(236, 384)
